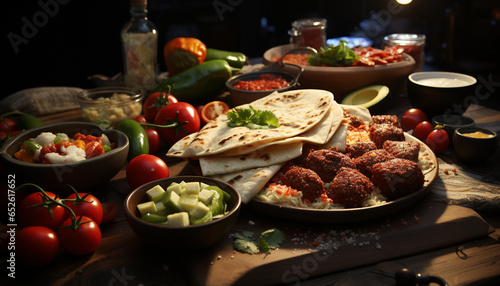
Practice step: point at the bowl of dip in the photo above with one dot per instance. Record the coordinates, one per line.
(451, 122)
(248, 87)
(474, 144)
(439, 93)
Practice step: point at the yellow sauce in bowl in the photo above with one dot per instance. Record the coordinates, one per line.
(478, 134)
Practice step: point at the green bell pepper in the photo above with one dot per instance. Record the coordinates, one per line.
(137, 137)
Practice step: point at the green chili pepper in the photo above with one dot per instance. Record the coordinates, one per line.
(106, 148)
(154, 218)
(198, 83)
(137, 137)
(24, 121)
(234, 59)
(31, 146)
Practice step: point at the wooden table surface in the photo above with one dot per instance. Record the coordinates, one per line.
(453, 242)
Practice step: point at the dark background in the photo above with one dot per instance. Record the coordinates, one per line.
(82, 38)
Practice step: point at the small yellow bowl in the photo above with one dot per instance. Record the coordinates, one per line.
(473, 149)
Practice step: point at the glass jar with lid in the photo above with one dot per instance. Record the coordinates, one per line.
(309, 32)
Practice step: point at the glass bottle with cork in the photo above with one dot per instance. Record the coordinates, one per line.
(140, 48)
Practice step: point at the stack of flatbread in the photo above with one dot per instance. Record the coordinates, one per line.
(249, 158)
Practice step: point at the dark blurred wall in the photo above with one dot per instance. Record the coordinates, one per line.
(74, 39)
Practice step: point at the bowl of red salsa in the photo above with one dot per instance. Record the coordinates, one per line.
(247, 87)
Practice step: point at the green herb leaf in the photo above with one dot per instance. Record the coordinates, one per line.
(269, 239)
(252, 118)
(245, 244)
(263, 245)
(274, 237)
(340, 55)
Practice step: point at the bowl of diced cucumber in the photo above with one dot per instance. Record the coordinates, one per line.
(182, 213)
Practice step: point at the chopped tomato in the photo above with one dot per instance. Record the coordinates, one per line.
(212, 110)
(93, 149)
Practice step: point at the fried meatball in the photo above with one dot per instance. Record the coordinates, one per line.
(379, 133)
(403, 149)
(353, 119)
(326, 163)
(397, 177)
(386, 119)
(365, 162)
(304, 180)
(359, 148)
(349, 188)
(301, 160)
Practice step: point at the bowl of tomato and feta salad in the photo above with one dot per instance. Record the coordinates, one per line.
(54, 156)
(170, 214)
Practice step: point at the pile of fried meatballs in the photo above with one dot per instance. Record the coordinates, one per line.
(387, 165)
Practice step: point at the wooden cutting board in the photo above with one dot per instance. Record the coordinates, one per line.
(313, 250)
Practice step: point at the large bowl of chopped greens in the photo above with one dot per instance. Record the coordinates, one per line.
(341, 70)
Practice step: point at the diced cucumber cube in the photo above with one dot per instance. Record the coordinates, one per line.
(199, 211)
(171, 200)
(174, 187)
(161, 209)
(206, 196)
(178, 219)
(154, 218)
(147, 207)
(188, 202)
(203, 185)
(192, 188)
(155, 193)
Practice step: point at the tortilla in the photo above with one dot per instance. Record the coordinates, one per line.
(249, 182)
(275, 154)
(298, 111)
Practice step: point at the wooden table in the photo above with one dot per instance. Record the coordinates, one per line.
(452, 242)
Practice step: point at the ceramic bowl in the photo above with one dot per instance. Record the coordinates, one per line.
(241, 96)
(474, 150)
(189, 238)
(108, 106)
(56, 177)
(343, 80)
(453, 121)
(440, 92)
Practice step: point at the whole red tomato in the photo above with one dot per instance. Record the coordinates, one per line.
(36, 245)
(30, 215)
(438, 141)
(7, 124)
(110, 210)
(154, 140)
(422, 130)
(84, 240)
(155, 102)
(411, 118)
(181, 112)
(85, 204)
(145, 168)
(140, 119)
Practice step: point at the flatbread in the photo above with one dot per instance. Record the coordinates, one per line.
(298, 111)
(249, 182)
(275, 154)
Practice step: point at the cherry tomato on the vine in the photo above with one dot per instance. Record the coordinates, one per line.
(84, 240)
(154, 103)
(36, 245)
(182, 112)
(145, 168)
(422, 130)
(30, 215)
(110, 210)
(154, 140)
(88, 205)
(140, 119)
(7, 124)
(438, 141)
(411, 118)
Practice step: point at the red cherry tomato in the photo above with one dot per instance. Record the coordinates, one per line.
(438, 141)
(411, 118)
(184, 112)
(154, 140)
(110, 210)
(140, 119)
(30, 215)
(36, 245)
(90, 206)
(154, 103)
(213, 109)
(84, 240)
(422, 130)
(145, 168)
(7, 124)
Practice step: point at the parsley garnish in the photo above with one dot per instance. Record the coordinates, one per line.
(252, 118)
(269, 239)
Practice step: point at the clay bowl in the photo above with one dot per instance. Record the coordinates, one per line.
(80, 175)
(343, 80)
(472, 149)
(188, 238)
